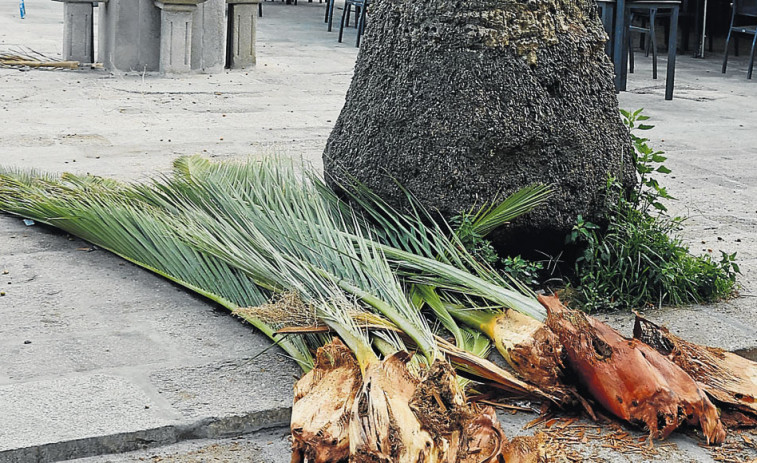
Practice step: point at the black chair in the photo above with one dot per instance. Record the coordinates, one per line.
(686, 15)
(648, 33)
(742, 8)
(648, 13)
(618, 22)
(360, 7)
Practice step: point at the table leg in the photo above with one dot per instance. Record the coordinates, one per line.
(608, 13)
(672, 42)
(625, 47)
(619, 38)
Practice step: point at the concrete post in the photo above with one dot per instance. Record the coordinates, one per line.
(208, 36)
(129, 35)
(240, 45)
(78, 37)
(175, 36)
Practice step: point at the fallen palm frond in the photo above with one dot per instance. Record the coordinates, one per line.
(26, 57)
(445, 267)
(393, 412)
(143, 235)
(728, 378)
(629, 378)
(270, 242)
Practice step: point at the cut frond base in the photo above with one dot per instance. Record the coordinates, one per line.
(629, 378)
(383, 427)
(323, 400)
(532, 349)
(728, 378)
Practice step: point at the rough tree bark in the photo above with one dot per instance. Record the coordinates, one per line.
(461, 100)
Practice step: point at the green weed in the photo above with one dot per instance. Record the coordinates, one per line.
(639, 259)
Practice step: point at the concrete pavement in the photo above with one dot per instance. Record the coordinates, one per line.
(100, 357)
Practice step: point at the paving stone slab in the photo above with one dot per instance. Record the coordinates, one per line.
(67, 409)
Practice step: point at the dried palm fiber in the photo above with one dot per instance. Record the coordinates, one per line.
(22, 57)
(728, 378)
(527, 449)
(629, 378)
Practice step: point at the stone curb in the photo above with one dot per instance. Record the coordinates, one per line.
(222, 427)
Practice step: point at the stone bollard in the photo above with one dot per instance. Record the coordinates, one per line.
(78, 37)
(208, 41)
(240, 44)
(176, 35)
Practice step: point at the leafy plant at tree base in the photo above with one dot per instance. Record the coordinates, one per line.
(647, 161)
(522, 269)
(474, 242)
(639, 259)
(516, 267)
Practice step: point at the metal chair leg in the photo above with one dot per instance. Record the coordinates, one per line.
(725, 56)
(341, 23)
(751, 58)
(642, 39)
(331, 13)
(607, 17)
